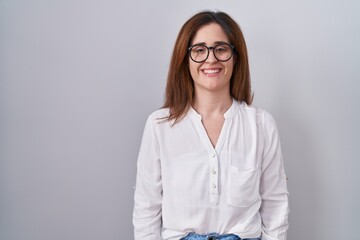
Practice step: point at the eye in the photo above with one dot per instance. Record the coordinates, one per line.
(198, 49)
(222, 48)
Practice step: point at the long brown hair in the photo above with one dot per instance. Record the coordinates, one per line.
(179, 93)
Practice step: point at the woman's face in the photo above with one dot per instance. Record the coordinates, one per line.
(211, 75)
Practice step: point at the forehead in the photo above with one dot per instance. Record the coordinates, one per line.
(209, 34)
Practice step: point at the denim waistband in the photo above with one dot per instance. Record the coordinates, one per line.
(215, 236)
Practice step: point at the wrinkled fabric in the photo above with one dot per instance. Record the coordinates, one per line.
(185, 184)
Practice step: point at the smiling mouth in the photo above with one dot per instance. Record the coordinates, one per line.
(211, 71)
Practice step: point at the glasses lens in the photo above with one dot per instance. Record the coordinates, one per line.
(199, 53)
(223, 52)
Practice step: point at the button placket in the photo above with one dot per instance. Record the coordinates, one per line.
(213, 174)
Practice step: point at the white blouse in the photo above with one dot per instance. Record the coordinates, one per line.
(184, 184)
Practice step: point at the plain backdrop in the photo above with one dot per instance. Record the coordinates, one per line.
(78, 79)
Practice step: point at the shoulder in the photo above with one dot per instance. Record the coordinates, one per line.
(158, 117)
(263, 118)
(152, 123)
(159, 114)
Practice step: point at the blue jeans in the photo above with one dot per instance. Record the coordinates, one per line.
(215, 236)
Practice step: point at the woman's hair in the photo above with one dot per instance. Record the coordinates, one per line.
(179, 93)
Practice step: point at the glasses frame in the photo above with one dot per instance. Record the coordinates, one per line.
(211, 48)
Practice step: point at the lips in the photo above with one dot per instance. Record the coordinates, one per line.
(211, 71)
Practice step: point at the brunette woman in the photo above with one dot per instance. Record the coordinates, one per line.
(210, 164)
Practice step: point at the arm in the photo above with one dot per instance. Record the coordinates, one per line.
(273, 187)
(148, 189)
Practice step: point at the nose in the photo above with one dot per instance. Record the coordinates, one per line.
(211, 58)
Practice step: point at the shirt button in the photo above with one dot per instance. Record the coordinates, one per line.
(213, 171)
(213, 155)
(214, 185)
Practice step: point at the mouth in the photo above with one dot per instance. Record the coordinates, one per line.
(211, 72)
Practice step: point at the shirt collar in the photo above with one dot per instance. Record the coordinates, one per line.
(227, 115)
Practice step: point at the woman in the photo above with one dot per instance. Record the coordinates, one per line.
(210, 164)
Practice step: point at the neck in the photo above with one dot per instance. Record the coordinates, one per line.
(210, 104)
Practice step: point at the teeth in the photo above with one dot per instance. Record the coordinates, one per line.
(210, 71)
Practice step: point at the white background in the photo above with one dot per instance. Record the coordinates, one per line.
(78, 79)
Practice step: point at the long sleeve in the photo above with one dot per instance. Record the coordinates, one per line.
(273, 187)
(147, 213)
(184, 184)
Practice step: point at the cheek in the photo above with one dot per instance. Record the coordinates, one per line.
(193, 69)
(230, 69)
(232, 64)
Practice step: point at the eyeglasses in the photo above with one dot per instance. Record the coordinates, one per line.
(222, 52)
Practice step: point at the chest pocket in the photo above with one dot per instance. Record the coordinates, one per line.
(243, 181)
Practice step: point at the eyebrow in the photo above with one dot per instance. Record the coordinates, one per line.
(215, 43)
